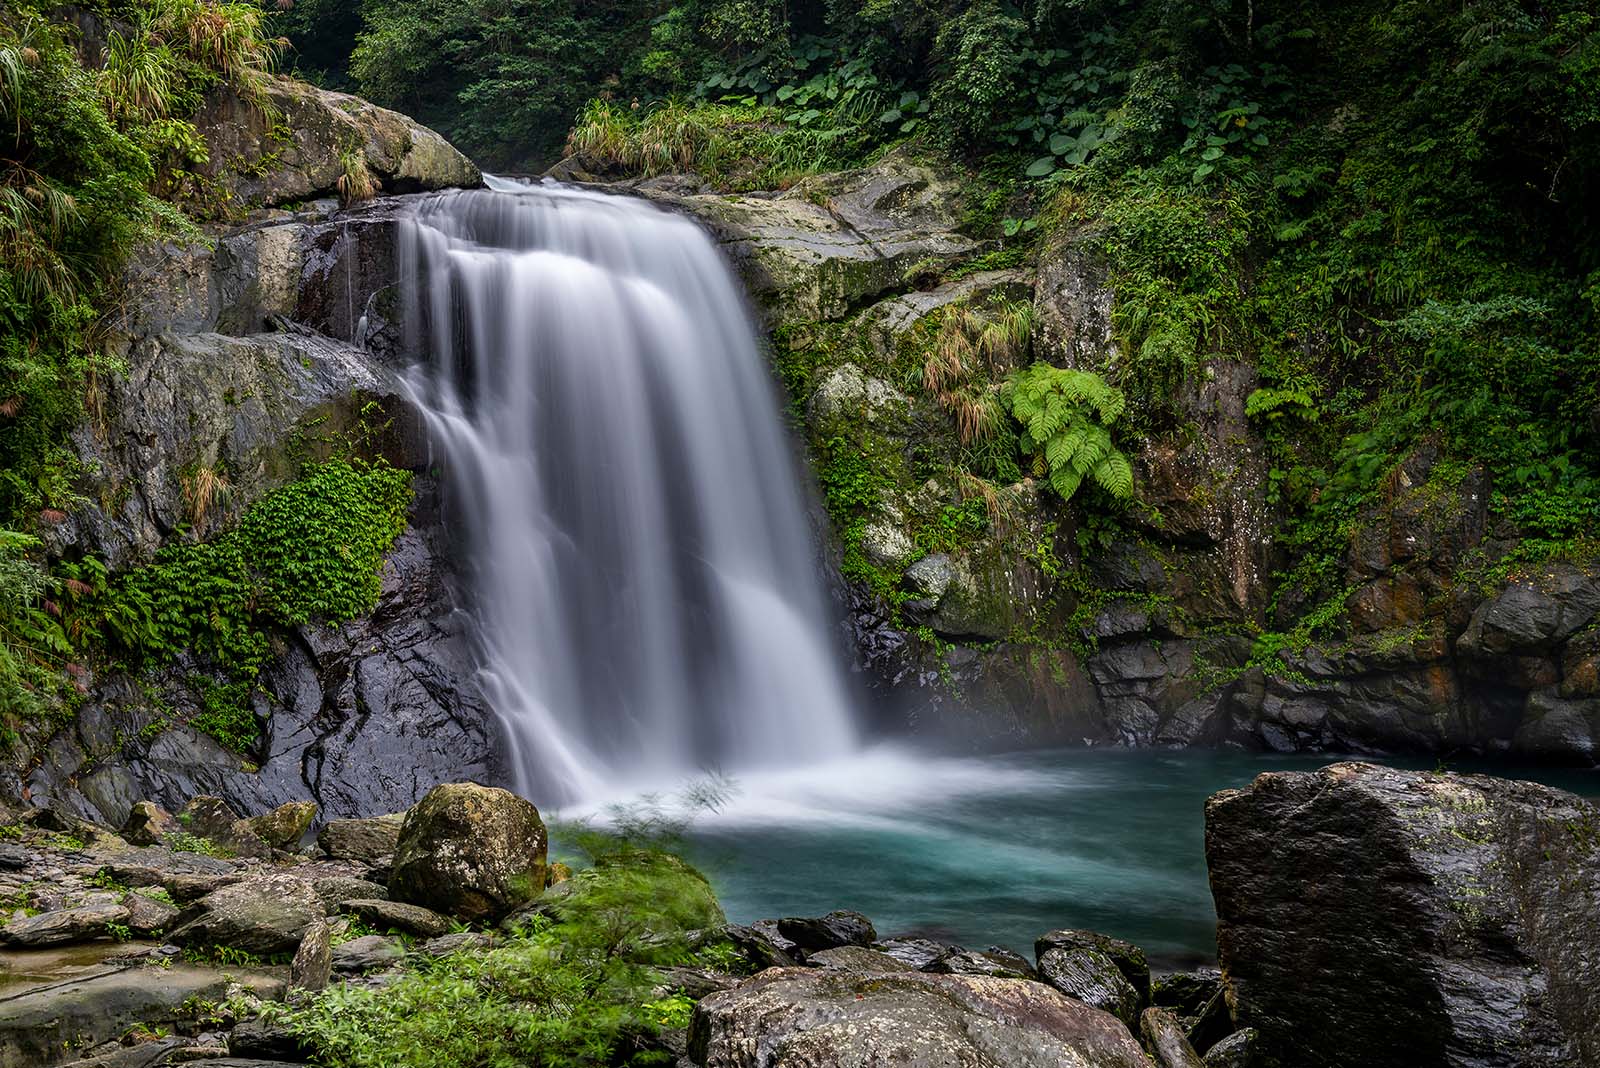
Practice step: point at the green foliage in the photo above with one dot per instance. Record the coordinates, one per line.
(310, 550)
(573, 987)
(1066, 419)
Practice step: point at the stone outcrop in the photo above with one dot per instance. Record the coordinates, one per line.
(832, 1019)
(1381, 917)
(301, 143)
(470, 851)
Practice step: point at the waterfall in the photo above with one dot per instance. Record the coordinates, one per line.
(640, 561)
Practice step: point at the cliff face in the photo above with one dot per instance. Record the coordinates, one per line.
(268, 341)
(989, 608)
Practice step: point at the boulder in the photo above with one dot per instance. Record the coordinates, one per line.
(311, 139)
(1164, 1038)
(370, 841)
(1185, 993)
(857, 959)
(1092, 978)
(832, 1019)
(146, 915)
(760, 948)
(1238, 1050)
(268, 1040)
(148, 824)
(83, 923)
(367, 953)
(396, 915)
(917, 952)
(213, 819)
(1129, 958)
(284, 826)
(1384, 918)
(838, 928)
(335, 890)
(997, 962)
(470, 851)
(460, 942)
(312, 966)
(260, 914)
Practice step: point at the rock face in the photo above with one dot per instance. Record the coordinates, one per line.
(832, 1019)
(470, 851)
(1380, 917)
(319, 139)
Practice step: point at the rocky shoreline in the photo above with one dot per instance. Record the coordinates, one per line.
(1366, 916)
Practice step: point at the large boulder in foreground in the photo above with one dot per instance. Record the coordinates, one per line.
(470, 851)
(825, 1018)
(1396, 918)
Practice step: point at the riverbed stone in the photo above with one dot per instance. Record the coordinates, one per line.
(147, 916)
(994, 961)
(312, 965)
(1164, 1037)
(83, 923)
(284, 826)
(834, 1019)
(367, 953)
(1129, 958)
(261, 914)
(411, 919)
(838, 928)
(470, 851)
(335, 890)
(148, 824)
(1373, 916)
(917, 952)
(1092, 978)
(371, 841)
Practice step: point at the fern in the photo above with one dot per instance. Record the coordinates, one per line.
(1067, 418)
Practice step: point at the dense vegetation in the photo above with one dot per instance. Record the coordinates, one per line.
(1386, 209)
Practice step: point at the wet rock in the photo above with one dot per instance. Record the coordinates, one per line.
(312, 966)
(335, 890)
(214, 819)
(81, 924)
(460, 942)
(1238, 1050)
(148, 824)
(996, 962)
(284, 826)
(839, 928)
(38, 1025)
(1092, 978)
(1385, 918)
(1129, 958)
(410, 919)
(1165, 1039)
(260, 914)
(470, 851)
(856, 959)
(365, 841)
(147, 916)
(833, 1019)
(1185, 993)
(917, 952)
(367, 953)
(266, 1040)
(760, 948)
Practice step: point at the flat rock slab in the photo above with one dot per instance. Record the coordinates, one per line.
(40, 1027)
(817, 1018)
(397, 915)
(85, 923)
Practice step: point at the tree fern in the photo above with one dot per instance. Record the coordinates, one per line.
(1066, 418)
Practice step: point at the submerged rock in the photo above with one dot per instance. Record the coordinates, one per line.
(833, 1019)
(1395, 918)
(470, 851)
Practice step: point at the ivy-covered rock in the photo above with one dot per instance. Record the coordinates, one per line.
(470, 851)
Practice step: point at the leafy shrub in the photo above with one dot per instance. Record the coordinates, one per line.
(1066, 419)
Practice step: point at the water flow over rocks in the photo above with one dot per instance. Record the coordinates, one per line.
(642, 570)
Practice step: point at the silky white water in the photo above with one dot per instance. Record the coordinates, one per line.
(641, 565)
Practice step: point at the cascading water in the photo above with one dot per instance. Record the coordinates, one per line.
(641, 564)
